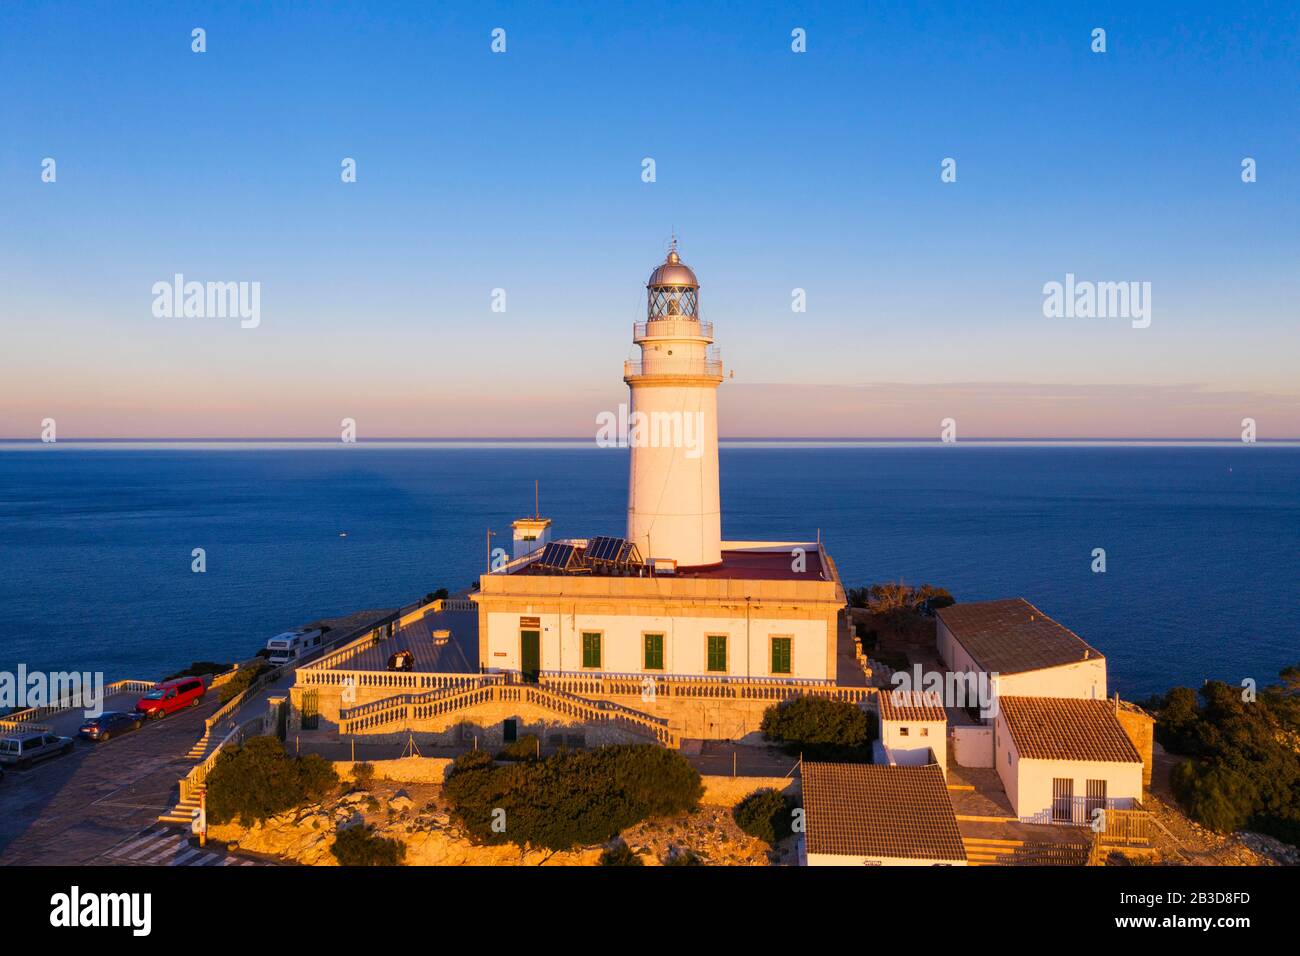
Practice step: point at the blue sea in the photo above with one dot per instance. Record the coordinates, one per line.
(1202, 543)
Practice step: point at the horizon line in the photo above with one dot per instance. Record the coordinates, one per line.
(590, 440)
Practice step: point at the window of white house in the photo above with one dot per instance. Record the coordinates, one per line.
(902, 731)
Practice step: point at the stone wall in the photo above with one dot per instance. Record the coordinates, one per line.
(1139, 726)
(729, 791)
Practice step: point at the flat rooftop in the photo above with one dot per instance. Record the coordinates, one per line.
(458, 656)
(1012, 636)
(765, 562)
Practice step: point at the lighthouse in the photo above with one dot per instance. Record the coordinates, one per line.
(673, 510)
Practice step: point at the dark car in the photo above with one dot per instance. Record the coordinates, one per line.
(109, 723)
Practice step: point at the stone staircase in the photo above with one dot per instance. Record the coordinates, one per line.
(200, 748)
(402, 710)
(183, 812)
(990, 851)
(986, 851)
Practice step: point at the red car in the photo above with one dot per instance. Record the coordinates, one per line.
(171, 696)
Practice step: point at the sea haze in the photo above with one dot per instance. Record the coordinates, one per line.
(95, 543)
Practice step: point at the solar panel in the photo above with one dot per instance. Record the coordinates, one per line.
(556, 555)
(604, 549)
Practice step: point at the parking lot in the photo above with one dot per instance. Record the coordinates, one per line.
(71, 809)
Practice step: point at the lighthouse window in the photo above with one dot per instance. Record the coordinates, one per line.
(781, 655)
(717, 653)
(591, 649)
(654, 652)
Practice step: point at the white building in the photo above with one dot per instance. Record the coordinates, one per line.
(670, 599)
(1062, 759)
(913, 729)
(1021, 650)
(872, 815)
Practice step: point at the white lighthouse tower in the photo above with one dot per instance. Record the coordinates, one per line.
(673, 511)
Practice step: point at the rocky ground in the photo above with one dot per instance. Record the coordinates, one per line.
(1182, 841)
(416, 815)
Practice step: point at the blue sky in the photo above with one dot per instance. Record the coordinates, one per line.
(522, 171)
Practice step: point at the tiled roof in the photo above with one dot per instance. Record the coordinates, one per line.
(1013, 636)
(914, 705)
(875, 810)
(1067, 728)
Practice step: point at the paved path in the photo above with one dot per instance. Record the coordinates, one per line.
(170, 846)
(71, 809)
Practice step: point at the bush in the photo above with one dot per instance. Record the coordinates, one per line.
(242, 679)
(1243, 769)
(363, 775)
(571, 799)
(199, 669)
(765, 814)
(471, 760)
(258, 779)
(438, 595)
(620, 854)
(820, 729)
(359, 846)
(527, 747)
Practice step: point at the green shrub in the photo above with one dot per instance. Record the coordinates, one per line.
(572, 799)
(527, 747)
(199, 669)
(1243, 769)
(471, 760)
(258, 779)
(765, 814)
(620, 854)
(820, 729)
(363, 775)
(242, 679)
(360, 846)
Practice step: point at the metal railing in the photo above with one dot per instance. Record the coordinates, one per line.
(709, 368)
(672, 328)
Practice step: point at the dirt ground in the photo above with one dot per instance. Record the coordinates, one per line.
(1180, 840)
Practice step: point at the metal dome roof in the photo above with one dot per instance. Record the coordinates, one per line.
(673, 272)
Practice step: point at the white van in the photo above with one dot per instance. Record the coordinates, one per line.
(293, 645)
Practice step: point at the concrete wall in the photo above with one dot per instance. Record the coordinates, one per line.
(1084, 679)
(972, 746)
(685, 643)
(915, 743)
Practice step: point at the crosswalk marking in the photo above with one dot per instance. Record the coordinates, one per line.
(170, 846)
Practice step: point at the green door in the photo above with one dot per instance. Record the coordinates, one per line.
(530, 655)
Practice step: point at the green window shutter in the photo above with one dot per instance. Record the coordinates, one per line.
(590, 649)
(718, 652)
(780, 655)
(654, 652)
